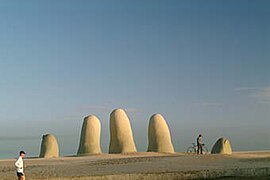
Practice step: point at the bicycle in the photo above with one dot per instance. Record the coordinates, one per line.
(193, 149)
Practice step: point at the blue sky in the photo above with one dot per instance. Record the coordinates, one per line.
(203, 64)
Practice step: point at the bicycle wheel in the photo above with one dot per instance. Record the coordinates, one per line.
(191, 150)
(205, 150)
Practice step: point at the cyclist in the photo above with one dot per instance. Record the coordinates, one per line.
(200, 144)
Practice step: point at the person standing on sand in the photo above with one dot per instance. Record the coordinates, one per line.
(199, 144)
(19, 166)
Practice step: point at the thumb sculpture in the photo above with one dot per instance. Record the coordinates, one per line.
(121, 136)
(222, 146)
(90, 136)
(49, 147)
(159, 138)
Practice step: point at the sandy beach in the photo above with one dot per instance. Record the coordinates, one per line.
(144, 166)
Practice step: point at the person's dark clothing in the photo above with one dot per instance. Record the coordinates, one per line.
(20, 174)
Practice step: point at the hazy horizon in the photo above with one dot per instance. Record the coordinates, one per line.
(204, 65)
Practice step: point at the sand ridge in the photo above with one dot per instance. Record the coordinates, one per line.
(143, 166)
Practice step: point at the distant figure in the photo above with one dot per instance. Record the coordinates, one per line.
(19, 166)
(199, 144)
